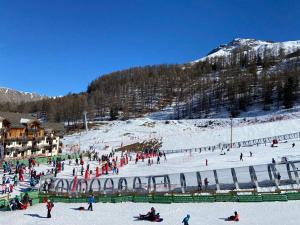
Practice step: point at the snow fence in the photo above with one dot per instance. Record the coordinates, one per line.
(238, 144)
(265, 177)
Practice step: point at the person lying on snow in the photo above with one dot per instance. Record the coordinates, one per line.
(151, 216)
(20, 204)
(235, 217)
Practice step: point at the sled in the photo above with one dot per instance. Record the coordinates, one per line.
(142, 217)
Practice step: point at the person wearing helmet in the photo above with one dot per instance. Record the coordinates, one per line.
(186, 219)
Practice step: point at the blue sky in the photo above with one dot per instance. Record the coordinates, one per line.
(54, 47)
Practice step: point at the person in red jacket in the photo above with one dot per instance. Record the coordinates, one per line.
(235, 217)
(50, 205)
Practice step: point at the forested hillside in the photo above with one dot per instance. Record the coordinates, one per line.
(250, 74)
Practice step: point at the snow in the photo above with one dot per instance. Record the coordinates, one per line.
(184, 162)
(123, 213)
(9, 91)
(180, 134)
(254, 45)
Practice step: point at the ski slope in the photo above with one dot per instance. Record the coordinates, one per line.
(174, 135)
(122, 214)
(186, 162)
(179, 134)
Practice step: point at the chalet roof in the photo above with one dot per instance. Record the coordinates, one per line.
(17, 126)
(15, 118)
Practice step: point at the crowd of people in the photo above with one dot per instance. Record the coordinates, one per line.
(105, 164)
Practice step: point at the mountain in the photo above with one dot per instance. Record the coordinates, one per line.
(243, 77)
(252, 45)
(14, 96)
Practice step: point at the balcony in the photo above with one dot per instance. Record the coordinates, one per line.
(23, 139)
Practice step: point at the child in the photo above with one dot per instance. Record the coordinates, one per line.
(235, 217)
(50, 205)
(3, 189)
(185, 221)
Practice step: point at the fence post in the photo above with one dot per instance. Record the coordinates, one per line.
(217, 180)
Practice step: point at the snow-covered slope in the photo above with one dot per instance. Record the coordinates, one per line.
(10, 95)
(261, 213)
(182, 134)
(254, 45)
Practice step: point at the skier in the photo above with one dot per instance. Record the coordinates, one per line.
(49, 206)
(158, 159)
(55, 171)
(206, 183)
(273, 161)
(235, 217)
(251, 154)
(206, 162)
(82, 170)
(3, 179)
(185, 221)
(241, 157)
(91, 201)
(165, 157)
(293, 145)
(278, 177)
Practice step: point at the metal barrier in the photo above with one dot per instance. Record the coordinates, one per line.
(238, 144)
(274, 176)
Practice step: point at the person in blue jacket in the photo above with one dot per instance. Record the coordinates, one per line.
(186, 219)
(91, 201)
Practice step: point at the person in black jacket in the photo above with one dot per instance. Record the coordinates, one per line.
(151, 216)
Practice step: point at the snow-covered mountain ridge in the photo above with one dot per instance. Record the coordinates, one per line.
(10, 95)
(252, 45)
